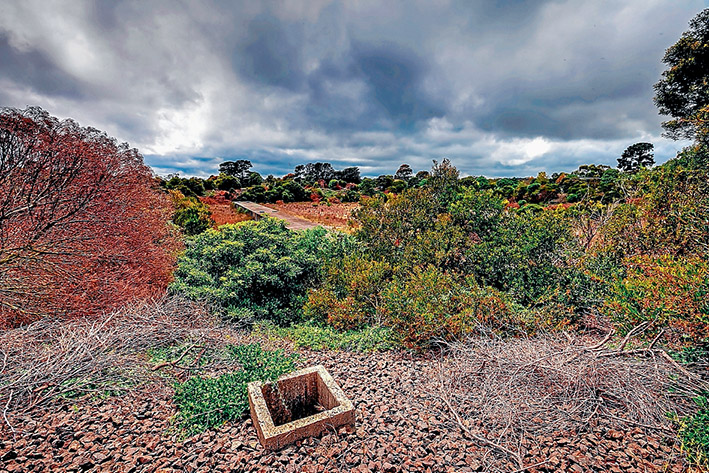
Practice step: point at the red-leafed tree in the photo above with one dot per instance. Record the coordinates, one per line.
(82, 227)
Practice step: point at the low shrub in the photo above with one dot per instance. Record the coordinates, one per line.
(253, 270)
(191, 215)
(204, 403)
(430, 304)
(666, 291)
(349, 297)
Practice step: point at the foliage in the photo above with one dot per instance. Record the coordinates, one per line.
(82, 227)
(432, 259)
(254, 270)
(694, 433)
(284, 190)
(238, 169)
(667, 213)
(667, 291)
(191, 215)
(225, 182)
(404, 172)
(635, 157)
(430, 304)
(526, 254)
(349, 297)
(683, 91)
(323, 337)
(204, 403)
(189, 187)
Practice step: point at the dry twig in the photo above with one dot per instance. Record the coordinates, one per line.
(49, 358)
(516, 388)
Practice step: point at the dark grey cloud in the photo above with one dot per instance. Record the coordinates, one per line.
(394, 77)
(35, 68)
(270, 54)
(502, 88)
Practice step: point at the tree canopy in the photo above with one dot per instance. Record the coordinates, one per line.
(238, 168)
(683, 91)
(82, 227)
(636, 156)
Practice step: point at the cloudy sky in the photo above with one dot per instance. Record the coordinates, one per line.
(502, 88)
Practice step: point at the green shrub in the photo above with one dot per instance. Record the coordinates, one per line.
(204, 403)
(526, 254)
(191, 215)
(348, 298)
(429, 304)
(320, 337)
(254, 270)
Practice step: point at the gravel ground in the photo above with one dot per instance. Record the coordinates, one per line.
(401, 425)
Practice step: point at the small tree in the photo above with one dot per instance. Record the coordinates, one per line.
(404, 172)
(683, 91)
(636, 156)
(350, 174)
(238, 168)
(82, 227)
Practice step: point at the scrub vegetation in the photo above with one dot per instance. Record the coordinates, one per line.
(548, 302)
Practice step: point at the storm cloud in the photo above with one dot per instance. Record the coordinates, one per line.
(500, 88)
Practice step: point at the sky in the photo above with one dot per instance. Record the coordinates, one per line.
(501, 88)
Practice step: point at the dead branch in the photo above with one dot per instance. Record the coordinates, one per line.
(518, 389)
(603, 342)
(654, 341)
(175, 362)
(635, 331)
(479, 438)
(45, 359)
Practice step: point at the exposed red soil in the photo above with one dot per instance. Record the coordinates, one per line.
(333, 215)
(401, 426)
(222, 210)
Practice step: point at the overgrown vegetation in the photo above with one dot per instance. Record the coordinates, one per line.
(694, 432)
(255, 270)
(433, 260)
(205, 403)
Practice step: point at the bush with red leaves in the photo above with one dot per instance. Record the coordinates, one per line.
(82, 227)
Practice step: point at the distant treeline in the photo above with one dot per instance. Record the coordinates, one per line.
(322, 182)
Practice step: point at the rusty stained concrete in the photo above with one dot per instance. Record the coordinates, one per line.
(315, 382)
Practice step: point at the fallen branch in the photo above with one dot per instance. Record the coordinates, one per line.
(175, 362)
(479, 438)
(635, 331)
(600, 344)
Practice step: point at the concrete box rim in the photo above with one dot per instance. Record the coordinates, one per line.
(261, 415)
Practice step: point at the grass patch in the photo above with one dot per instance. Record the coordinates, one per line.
(316, 337)
(204, 403)
(694, 433)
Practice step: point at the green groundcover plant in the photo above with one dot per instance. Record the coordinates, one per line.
(205, 403)
(694, 432)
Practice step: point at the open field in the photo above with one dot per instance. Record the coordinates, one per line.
(333, 215)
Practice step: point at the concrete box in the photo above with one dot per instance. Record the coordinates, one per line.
(299, 405)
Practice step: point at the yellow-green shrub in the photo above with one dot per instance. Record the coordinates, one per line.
(350, 296)
(429, 304)
(667, 291)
